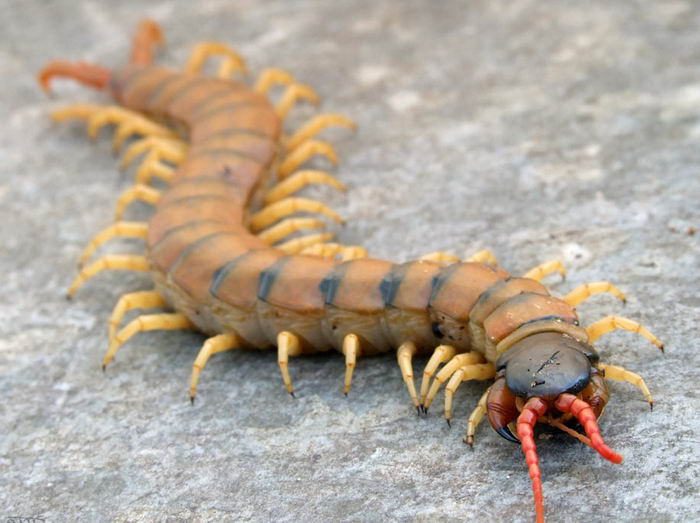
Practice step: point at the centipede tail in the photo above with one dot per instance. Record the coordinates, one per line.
(227, 256)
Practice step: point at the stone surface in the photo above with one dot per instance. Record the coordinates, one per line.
(535, 129)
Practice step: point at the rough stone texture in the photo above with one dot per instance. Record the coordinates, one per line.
(536, 129)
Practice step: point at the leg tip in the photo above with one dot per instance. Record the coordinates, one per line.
(104, 367)
(192, 400)
(291, 393)
(662, 348)
(449, 423)
(651, 405)
(418, 409)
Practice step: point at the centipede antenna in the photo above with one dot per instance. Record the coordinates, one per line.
(584, 414)
(533, 409)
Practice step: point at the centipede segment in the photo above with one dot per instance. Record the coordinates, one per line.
(231, 256)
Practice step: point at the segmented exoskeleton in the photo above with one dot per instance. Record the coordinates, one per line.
(218, 252)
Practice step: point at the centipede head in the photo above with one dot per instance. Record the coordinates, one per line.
(548, 377)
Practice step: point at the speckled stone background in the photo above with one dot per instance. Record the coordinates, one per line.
(537, 129)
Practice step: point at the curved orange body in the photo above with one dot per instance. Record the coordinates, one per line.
(223, 278)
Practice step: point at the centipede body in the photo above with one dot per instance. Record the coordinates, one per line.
(230, 284)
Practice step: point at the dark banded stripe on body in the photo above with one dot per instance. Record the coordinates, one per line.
(171, 245)
(293, 282)
(500, 292)
(409, 285)
(355, 285)
(457, 288)
(194, 269)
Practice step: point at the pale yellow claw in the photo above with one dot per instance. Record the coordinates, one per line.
(169, 149)
(476, 371)
(131, 301)
(302, 153)
(484, 256)
(475, 418)
(164, 321)
(80, 111)
(294, 93)
(441, 354)
(287, 345)
(213, 345)
(613, 372)
(404, 356)
(282, 208)
(440, 257)
(128, 262)
(351, 350)
(545, 269)
(297, 245)
(116, 230)
(270, 77)
(610, 323)
(128, 122)
(585, 291)
(299, 180)
(316, 125)
(336, 250)
(231, 62)
(287, 227)
(152, 166)
(137, 192)
(465, 359)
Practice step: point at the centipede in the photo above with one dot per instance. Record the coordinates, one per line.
(234, 253)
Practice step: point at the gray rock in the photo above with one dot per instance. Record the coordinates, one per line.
(535, 129)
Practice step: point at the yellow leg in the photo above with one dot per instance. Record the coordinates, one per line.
(613, 372)
(351, 349)
(440, 355)
(585, 291)
(130, 301)
(316, 125)
(287, 227)
(271, 77)
(297, 245)
(404, 355)
(440, 257)
(484, 256)
(282, 208)
(475, 418)
(128, 122)
(610, 323)
(137, 192)
(299, 180)
(353, 252)
(457, 362)
(169, 149)
(127, 262)
(213, 345)
(302, 153)
(152, 166)
(292, 94)
(118, 229)
(336, 250)
(476, 371)
(148, 322)
(231, 62)
(287, 345)
(545, 269)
